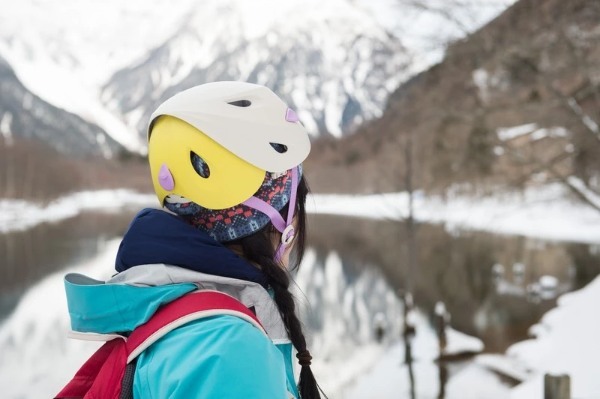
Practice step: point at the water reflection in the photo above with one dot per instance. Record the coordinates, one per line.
(350, 283)
(342, 303)
(458, 269)
(36, 358)
(27, 256)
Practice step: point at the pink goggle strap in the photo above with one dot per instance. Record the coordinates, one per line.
(274, 215)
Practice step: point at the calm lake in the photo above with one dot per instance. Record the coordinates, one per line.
(353, 275)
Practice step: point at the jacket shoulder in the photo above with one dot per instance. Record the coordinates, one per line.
(220, 356)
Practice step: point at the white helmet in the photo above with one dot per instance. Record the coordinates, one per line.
(229, 152)
(225, 111)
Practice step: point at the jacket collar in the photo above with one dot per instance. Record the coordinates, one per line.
(251, 294)
(157, 237)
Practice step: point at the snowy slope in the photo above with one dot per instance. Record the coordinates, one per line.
(565, 343)
(64, 53)
(426, 26)
(23, 115)
(334, 60)
(544, 212)
(335, 66)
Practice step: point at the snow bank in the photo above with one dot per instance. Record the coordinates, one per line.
(506, 134)
(566, 343)
(21, 215)
(544, 212)
(459, 342)
(504, 365)
(390, 376)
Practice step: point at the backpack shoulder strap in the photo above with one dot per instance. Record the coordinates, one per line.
(194, 306)
(102, 375)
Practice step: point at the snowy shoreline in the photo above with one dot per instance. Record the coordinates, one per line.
(543, 213)
(565, 343)
(565, 337)
(18, 215)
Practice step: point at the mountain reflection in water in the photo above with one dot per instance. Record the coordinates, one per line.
(492, 285)
(349, 284)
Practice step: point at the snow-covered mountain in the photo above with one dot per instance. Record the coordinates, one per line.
(65, 53)
(335, 66)
(112, 61)
(24, 115)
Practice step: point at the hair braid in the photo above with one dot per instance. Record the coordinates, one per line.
(258, 248)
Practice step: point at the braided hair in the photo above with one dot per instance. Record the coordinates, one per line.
(259, 249)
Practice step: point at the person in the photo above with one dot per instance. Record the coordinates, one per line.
(225, 160)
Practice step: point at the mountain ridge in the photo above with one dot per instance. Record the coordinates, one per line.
(25, 115)
(336, 80)
(446, 126)
(83, 43)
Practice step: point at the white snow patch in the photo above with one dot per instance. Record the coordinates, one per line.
(67, 54)
(548, 282)
(504, 365)
(506, 134)
(567, 342)
(543, 212)
(389, 377)
(5, 123)
(21, 215)
(498, 151)
(459, 342)
(589, 194)
(553, 132)
(585, 118)
(480, 78)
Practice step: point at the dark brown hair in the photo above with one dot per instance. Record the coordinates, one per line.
(258, 248)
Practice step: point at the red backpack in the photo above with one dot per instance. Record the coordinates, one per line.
(108, 373)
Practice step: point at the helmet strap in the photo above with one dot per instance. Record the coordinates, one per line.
(284, 227)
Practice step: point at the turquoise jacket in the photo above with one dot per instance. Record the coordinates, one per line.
(217, 357)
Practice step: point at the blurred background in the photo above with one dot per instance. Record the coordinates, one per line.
(455, 222)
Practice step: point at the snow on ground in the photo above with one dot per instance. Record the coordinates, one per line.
(390, 377)
(504, 365)
(566, 337)
(348, 361)
(506, 134)
(21, 215)
(566, 343)
(459, 342)
(543, 212)
(66, 54)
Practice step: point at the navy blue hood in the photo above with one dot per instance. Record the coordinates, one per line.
(155, 236)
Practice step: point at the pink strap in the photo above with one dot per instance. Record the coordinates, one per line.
(272, 213)
(291, 211)
(292, 203)
(189, 307)
(102, 374)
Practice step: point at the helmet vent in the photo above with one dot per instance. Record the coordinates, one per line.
(241, 103)
(280, 148)
(199, 165)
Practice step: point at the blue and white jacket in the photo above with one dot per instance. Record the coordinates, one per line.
(160, 259)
